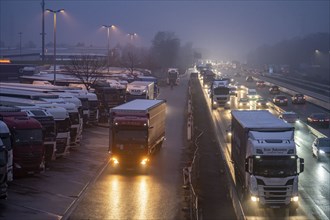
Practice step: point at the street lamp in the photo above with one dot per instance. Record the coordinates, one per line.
(108, 29)
(132, 35)
(20, 44)
(55, 12)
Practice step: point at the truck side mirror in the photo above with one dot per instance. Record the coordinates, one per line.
(247, 165)
(302, 165)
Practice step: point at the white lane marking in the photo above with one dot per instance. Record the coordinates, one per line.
(325, 169)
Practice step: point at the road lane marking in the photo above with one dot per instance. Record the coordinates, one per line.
(326, 169)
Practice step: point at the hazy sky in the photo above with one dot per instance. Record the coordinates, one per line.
(227, 29)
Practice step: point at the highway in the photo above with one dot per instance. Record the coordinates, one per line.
(314, 182)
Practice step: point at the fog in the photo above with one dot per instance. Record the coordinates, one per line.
(221, 29)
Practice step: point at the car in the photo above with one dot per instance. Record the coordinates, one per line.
(289, 117)
(249, 79)
(252, 94)
(260, 84)
(298, 99)
(233, 90)
(243, 103)
(261, 103)
(318, 119)
(321, 147)
(274, 90)
(280, 100)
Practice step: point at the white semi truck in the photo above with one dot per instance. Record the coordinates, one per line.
(264, 156)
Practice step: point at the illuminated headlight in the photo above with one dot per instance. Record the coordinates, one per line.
(295, 199)
(214, 103)
(240, 104)
(254, 199)
(206, 86)
(114, 160)
(144, 161)
(321, 152)
(228, 102)
(229, 133)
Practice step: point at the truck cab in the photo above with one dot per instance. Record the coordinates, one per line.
(3, 170)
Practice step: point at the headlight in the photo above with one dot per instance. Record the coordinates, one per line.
(254, 199)
(214, 103)
(144, 161)
(114, 160)
(295, 199)
(321, 152)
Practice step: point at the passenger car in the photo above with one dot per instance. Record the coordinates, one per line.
(289, 117)
(318, 119)
(252, 94)
(243, 103)
(260, 84)
(280, 100)
(298, 99)
(274, 90)
(321, 147)
(261, 103)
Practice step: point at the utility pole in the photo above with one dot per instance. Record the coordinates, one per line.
(43, 31)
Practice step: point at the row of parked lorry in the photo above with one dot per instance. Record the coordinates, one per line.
(39, 124)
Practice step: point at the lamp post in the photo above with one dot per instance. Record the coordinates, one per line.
(108, 37)
(20, 44)
(55, 12)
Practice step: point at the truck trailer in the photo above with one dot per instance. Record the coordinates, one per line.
(264, 156)
(137, 130)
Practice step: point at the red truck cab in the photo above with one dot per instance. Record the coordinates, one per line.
(27, 141)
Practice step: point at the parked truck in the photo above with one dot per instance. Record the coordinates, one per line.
(26, 141)
(139, 90)
(5, 138)
(3, 170)
(137, 130)
(220, 94)
(265, 159)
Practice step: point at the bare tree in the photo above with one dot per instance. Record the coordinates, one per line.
(87, 68)
(130, 62)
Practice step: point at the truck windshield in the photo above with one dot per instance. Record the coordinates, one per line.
(274, 166)
(129, 136)
(221, 91)
(63, 125)
(6, 141)
(3, 161)
(31, 135)
(74, 118)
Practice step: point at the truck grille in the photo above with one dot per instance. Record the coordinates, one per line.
(92, 116)
(60, 146)
(275, 194)
(73, 135)
(28, 159)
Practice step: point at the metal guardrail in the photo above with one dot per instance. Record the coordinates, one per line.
(192, 169)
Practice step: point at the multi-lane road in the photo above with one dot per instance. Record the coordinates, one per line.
(314, 182)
